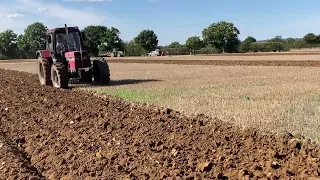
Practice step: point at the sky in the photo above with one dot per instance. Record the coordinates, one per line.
(171, 20)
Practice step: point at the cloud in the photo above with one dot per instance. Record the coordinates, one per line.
(15, 24)
(42, 9)
(15, 15)
(87, 0)
(59, 14)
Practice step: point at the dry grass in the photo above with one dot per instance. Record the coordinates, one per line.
(316, 49)
(272, 98)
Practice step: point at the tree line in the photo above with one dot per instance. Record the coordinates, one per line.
(220, 37)
(96, 39)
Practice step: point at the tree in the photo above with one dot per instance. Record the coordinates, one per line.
(175, 44)
(299, 44)
(290, 41)
(249, 40)
(194, 43)
(133, 49)
(246, 44)
(94, 37)
(311, 38)
(147, 39)
(275, 44)
(276, 39)
(33, 39)
(222, 35)
(232, 46)
(111, 39)
(8, 44)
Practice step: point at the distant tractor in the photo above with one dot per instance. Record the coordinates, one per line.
(113, 53)
(65, 59)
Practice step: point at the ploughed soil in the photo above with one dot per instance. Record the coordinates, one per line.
(63, 134)
(311, 63)
(14, 163)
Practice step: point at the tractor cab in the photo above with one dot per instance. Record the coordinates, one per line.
(61, 40)
(66, 46)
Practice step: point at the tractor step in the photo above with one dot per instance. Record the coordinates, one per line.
(74, 80)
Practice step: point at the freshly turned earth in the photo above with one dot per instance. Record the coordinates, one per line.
(13, 162)
(73, 135)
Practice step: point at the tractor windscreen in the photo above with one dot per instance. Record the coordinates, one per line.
(74, 41)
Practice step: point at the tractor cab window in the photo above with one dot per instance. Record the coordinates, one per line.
(62, 43)
(49, 42)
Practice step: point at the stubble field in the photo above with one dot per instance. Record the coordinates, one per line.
(115, 134)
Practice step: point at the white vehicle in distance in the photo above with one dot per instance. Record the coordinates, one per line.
(156, 52)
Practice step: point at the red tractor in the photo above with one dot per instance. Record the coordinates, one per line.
(64, 59)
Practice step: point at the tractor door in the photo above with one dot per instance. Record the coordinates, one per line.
(50, 43)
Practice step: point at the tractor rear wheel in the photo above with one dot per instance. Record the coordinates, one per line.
(101, 72)
(44, 71)
(59, 76)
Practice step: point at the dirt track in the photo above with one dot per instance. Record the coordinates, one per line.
(238, 59)
(267, 53)
(311, 63)
(75, 135)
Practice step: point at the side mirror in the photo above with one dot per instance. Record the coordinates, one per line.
(49, 39)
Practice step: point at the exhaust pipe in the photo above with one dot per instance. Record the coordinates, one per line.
(67, 33)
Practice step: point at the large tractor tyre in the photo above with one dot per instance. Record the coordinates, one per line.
(88, 78)
(59, 76)
(101, 72)
(44, 71)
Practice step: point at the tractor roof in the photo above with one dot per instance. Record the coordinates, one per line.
(70, 29)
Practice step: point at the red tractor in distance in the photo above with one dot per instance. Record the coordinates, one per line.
(64, 59)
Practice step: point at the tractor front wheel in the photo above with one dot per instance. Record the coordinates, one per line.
(44, 71)
(59, 76)
(101, 72)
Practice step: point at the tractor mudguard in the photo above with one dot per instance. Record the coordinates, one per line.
(44, 54)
